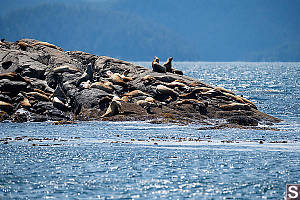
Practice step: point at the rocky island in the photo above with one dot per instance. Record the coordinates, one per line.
(40, 81)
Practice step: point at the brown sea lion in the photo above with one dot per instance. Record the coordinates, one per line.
(157, 67)
(25, 103)
(168, 65)
(135, 93)
(147, 104)
(114, 108)
(65, 68)
(48, 45)
(116, 78)
(23, 45)
(7, 107)
(38, 96)
(102, 86)
(235, 106)
(166, 90)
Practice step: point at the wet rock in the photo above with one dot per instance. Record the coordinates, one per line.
(90, 97)
(243, 120)
(13, 87)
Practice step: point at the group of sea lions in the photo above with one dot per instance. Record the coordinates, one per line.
(99, 87)
(166, 67)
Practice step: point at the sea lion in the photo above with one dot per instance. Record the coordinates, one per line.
(157, 67)
(147, 104)
(102, 86)
(148, 78)
(23, 45)
(65, 68)
(57, 103)
(85, 85)
(135, 93)
(194, 93)
(116, 79)
(60, 94)
(241, 100)
(168, 65)
(177, 71)
(87, 75)
(7, 107)
(161, 89)
(224, 90)
(38, 96)
(42, 92)
(48, 45)
(25, 103)
(178, 84)
(114, 107)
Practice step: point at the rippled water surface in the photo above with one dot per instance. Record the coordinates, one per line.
(138, 160)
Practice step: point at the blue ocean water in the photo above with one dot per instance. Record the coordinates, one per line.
(139, 160)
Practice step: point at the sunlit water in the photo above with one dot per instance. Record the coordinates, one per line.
(139, 160)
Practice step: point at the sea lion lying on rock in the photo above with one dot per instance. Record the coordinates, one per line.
(38, 96)
(23, 45)
(65, 68)
(161, 89)
(103, 86)
(116, 79)
(157, 67)
(7, 107)
(114, 107)
(147, 103)
(136, 93)
(48, 45)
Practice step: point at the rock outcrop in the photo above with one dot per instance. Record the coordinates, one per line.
(40, 81)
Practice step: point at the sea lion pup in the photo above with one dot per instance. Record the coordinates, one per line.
(48, 45)
(157, 67)
(168, 65)
(114, 107)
